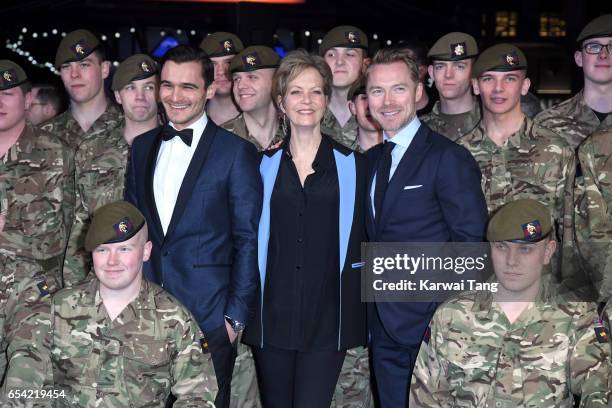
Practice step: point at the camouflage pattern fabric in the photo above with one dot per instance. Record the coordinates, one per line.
(25, 293)
(238, 127)
(452, 126)
(533, 163)
(477, 358)
(36, 187)
(245, 390)
(346, 136)
(353, 389)
(150, 349)
(100, 156)
(594, 211)
(572, 119)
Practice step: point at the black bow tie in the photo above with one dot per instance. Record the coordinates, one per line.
(186, 135)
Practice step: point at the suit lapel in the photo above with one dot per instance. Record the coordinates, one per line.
(149, 194)
(408, 165)
(193, 172)
(370, 221)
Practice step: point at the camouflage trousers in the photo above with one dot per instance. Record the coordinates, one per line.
(245, 391)
(353, 389)
(25, 293)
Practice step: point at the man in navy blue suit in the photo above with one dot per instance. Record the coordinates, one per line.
(200, 190)
(423, 188)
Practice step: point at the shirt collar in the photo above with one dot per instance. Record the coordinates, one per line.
(406, 134)
(197, 127)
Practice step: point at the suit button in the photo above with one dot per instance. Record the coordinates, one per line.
(300, 214)
(298, 267)
(299, 240)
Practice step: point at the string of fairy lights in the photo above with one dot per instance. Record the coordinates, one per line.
(17, 46)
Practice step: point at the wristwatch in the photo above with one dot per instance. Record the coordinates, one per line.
(236, 325)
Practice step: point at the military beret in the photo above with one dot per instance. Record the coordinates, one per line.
(454, 47)
(112, 223)
(345, 37)
(358, 88)
(220, 44)
(501, 58)
(600, 27)
(134, 68)
(11, 75)
(523, 220)
(254, 58)
(75, 46)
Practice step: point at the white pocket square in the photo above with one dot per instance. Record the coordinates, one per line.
(412, 187)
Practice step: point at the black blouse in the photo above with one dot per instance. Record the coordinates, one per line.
(301, 297)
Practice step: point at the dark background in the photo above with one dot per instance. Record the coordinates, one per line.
(546, 30)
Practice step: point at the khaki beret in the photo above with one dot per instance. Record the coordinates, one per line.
(134, 68)
(220, 44)
(501, 58)
(454, 47)
(75, 46)
(112, 223)
(524, 220)
(358, 88)
(600, 27)
(345, 37)
(254, 58)
(11, 75)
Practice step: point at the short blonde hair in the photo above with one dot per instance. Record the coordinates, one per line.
(293, 65)
(391, 55)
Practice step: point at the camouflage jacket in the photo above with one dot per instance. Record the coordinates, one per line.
(238, 127)
(476, 358)
(533, 163)
(346, 135)
(35, 195)
(572, 119)
(594, 210)
(25, 294)
(150, 349)
(100, 156)
(452, 126)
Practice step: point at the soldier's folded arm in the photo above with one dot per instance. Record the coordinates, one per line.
(590, 365)
(429, 386)
(193, 379)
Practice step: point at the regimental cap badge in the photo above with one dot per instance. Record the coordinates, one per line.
(532, 231)
(145, 66)
(251, 60)
(8, 76)
(511, 59)
(123, 227)
(80, 48)
(458, 49)
(352, 36)
(228, 45)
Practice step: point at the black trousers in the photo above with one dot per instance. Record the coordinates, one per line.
(223, 354)
(293, 379)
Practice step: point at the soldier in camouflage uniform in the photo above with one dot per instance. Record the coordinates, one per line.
(252, 71)
(369, 132)
(522, 346)
(517, 158)
(136, 86)
(35, 176)
(458, 111)
(345, 49)
(589, 110)
(594, 211)
(120, 340)
(94, 130)
(35, 181)
(221, 48)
